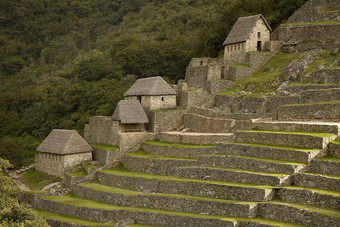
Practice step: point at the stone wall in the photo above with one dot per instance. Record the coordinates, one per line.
(102, 130)
(334, 149)
(215, 87)
(325, 76)
(240, 104)
(104, 157)
(237, 73)
(165, 120)
(191, 98)
(133, 141)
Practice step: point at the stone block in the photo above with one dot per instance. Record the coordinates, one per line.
(322, 95)
(328, 167)
(334, 149)
(195, 138)
(169, 120)
(217, 86)
(316, 181)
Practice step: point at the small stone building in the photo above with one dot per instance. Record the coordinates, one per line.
(153, 93)
(130, 116)
(62, 149)
(250, 33)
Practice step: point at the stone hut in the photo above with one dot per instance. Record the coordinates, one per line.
(62, 149)
(250, 33)
(153, 93)
(130, 116)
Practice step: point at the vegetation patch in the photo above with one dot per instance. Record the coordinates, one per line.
(70, 219)
(316, 190)
(80, 173)
(315, 134)
(104, 147)
(276, 146)
(240, 65)
(337, 142)
(324, 175)
(143, 154)
(329, 158)
(36, 180)
(180, 145)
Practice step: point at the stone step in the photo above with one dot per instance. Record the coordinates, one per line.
(313, 180)
(302, 214)
(320, 95)
(194, 137)
(334, 148)
(233, 175)
(178, 150)
(174, 202)
(297, 89)
(103, 212)
(251, 163)
(199, 123)
(141, 161)
(326, 165)
(309, 196)
(286, 153)
(300, 126)
(122, 178)
(295, 139)
(323, 111)
(56, 220)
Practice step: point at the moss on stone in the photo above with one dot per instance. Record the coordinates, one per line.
(335, 142)
(323, 175)
(329, 158)
(36, 180)
(275, 146)
(240, 65)
(180, 145)
(315, 190)
(315, 134)
(143, 154)
(121, 171)
(104, 147)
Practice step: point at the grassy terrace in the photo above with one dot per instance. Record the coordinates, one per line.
(179, 145)
(143, 154)
(315, 134)
(236, 170)
(323, 175)
(121, 171)
(337, 142)
(104, 147)
(36, 180)
(329, 158)
(69, 219)
(111, 189)
(80, 202)
(260, 159)
(275, 146)
(80, 173)
(315, 190)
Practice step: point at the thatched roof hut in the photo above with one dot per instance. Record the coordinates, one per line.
(242, 29)
(130, 112)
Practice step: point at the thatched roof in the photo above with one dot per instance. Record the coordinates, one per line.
(150, 86)
(242, 29)
(130, 112)
(61, 141)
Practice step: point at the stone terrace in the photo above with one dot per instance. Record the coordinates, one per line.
(281, 174)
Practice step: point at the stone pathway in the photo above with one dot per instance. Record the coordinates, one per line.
(17, 179)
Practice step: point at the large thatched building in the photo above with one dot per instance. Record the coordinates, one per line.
(130, 116)
(62, 149)
(153, 93)
(250, 33)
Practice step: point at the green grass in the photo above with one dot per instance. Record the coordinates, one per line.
(332, 11)
(299, 84)
(261, 159)
(80, 173)
(36, 180)
(314, 23)
(276, 146)
(104, 147)
(120, 170)
(316, 190)
(240, 65)
(315, 134)
(335, 142)
(111, 189)
(143, 154)
(70, 219)
(179, 145)
(311, 104)
(323, 175)
(329, 158)
(263, 79)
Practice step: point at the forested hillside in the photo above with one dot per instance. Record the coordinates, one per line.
(62, 61)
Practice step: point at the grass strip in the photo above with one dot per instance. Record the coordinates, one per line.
(275, 146)
(335, 142)
(143, 154)
(329, 158)
(236, 170)
(80, 173)
(70, 219)
(179, 145)
(36, 180)
(104, 147)
(323, 175)
(107, 188)
(315, 134)
(312, 104)
(121, 171)
(315, 190)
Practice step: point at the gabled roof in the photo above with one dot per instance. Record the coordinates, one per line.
(150, 86)
(242, 28)
(130, 112)
(61, 141)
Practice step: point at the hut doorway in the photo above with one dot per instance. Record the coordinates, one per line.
(259, 46)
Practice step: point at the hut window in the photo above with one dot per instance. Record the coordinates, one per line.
(239, 46)
(259, 35)
(162, 98)
(201, 64)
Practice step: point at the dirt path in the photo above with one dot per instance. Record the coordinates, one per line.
(17, 179)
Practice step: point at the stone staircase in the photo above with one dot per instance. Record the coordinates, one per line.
(277, 174)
